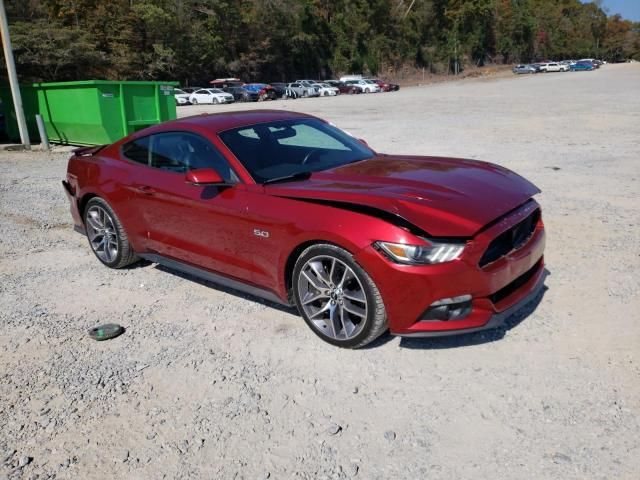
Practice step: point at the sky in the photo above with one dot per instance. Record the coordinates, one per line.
(628, 9)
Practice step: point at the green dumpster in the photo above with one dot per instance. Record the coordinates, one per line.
(91, 112)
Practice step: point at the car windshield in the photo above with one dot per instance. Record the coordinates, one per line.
(280, 149)
(215, 90)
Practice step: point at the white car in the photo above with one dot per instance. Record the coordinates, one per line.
(367, 86)
(210, 95)
(182, 97)
(326, 90)
(553, 67)
(346, 78)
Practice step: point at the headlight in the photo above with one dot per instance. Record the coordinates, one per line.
(434, 252)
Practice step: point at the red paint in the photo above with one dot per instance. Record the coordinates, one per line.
(214, 226)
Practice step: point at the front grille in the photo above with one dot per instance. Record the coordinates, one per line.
(504, 292)
(511, 239)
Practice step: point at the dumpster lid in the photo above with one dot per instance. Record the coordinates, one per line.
(104, 82)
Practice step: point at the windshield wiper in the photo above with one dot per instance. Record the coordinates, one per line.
(288, 178)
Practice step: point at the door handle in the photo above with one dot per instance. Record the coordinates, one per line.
(144, 189)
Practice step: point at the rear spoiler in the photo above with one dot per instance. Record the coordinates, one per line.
(87, 151)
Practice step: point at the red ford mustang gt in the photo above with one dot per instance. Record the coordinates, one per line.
(288, 207)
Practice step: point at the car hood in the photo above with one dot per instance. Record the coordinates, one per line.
(445, 197)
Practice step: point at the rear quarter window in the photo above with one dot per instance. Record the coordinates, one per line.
(137, 150)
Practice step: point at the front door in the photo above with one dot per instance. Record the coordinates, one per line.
(201, 225)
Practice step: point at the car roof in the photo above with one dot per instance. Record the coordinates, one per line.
(219, 122)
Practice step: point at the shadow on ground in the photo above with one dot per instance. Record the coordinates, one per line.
(453, 341)
(228, 290)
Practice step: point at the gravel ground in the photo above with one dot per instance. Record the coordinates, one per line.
(209, 383)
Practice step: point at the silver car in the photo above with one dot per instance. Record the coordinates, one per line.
(303, 90)
(519, 69)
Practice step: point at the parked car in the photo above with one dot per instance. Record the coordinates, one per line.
(210, 95)
(520, 69)
(310, 84)
(301, 213)
(264, 91)
(367, 86)
(280, 89)
(182, 97)
(326, 90)
(553, 67)
(241, 94)
(346, 78)
(226, 82)
(582, 66)
(301, 90)
(536, 66)
(343, 87)
(386, 87)
(592, 61)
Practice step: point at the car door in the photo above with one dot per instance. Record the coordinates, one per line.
(200, 95)
(196, 224)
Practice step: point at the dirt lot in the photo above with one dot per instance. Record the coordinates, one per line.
(208, 383)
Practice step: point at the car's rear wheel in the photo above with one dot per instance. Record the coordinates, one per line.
(337, 298)
(107, 237)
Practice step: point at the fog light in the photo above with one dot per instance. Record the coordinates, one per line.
(454, 308)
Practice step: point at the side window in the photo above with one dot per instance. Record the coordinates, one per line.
(182, 151)
(137, 150)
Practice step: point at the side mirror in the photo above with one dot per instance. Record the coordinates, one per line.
(205, 176)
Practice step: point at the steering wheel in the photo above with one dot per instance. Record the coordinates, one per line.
(307, 158)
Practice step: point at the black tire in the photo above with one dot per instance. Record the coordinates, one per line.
(375, 323)
(195, 101)
(125, 254)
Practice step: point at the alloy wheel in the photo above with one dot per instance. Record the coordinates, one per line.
(102, 233)
(332, 297)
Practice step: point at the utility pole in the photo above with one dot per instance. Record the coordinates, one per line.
(13, 77)
(455, 46)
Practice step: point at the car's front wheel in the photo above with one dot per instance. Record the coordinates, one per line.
(107, 237)
(337, 298)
